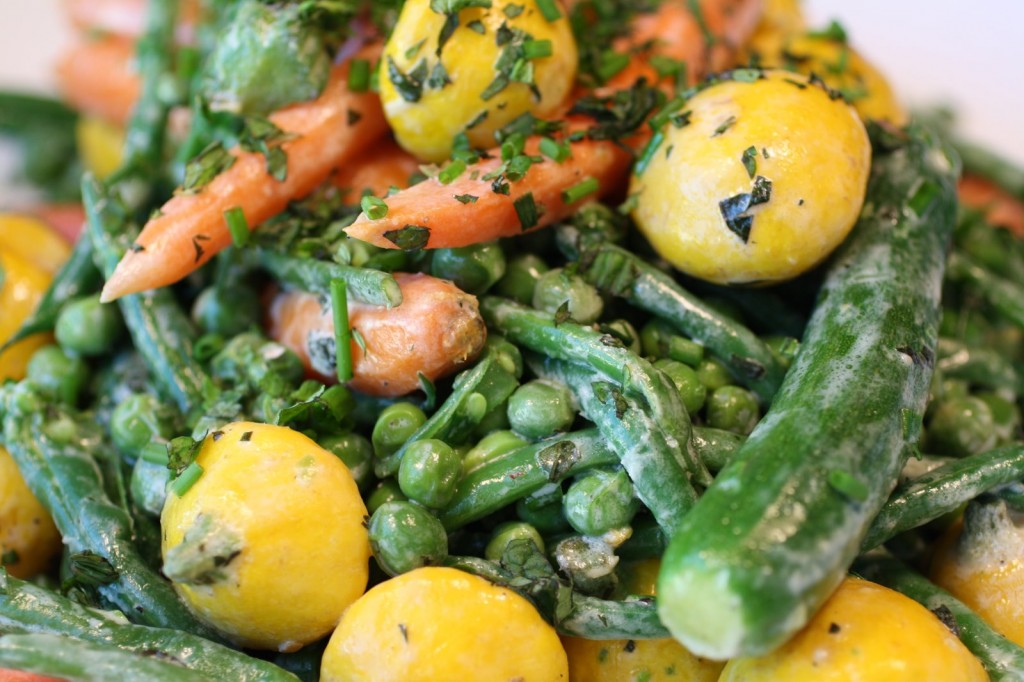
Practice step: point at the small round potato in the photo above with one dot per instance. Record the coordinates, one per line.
(28, 539)
(757, 179)
(497, 64)
(268, 546)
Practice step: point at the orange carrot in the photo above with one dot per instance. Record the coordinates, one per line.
(126, 17)
(190, 228)
(1001, 208)
(97, 77)
(20, 676)
(378, 169)
(435, 331)
(66, 219)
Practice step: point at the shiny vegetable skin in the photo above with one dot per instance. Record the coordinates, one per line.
(26, 609)
(773, 536)
(1003, 660)
(66, 478)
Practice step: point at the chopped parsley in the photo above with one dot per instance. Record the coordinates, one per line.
(408, 86)
(735, 209)
(749, 160)
(724, 126)
(409, 238)
(527, 210)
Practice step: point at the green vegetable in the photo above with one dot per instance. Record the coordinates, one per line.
(691, 391)
(356, 452)
(540, 408)
(404, 536)
(661, 341)
(601, 501)
(374, 287)
(138, 419)
(396, 425)
(732, 583)
(474, 269)
(428, 472)
(386, 491)
(87, 327)
(961, 427)
(559, 289)
(508, 532)
(732, 408)
(520, 279)
(56, 375)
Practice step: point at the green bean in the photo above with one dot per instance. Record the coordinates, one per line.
(943, 490)
(77, 277)
(476, 392)
(374, 287)
(624, 274)
(1002, 659)
(161, 331)
(65, 477)
(574, 343)
(715, 447)
(26, 608)
(1006, 297)
(603, 619)
(660, 340)
(86, 661)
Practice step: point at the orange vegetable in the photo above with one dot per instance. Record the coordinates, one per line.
(98, 77)
(378, 169)
(126, 17)
(20, 676)
(190, 228)
(1001, 208)
(435, 331)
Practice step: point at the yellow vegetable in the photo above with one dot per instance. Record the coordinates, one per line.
(780, 21)
(863, 633)
(33, 241)
(428, 105)
(982, 563)
(268, 546)
(442, 625)
(28, 538)
(652, 660)
(845, 70)
(755, 182)
(99, 145)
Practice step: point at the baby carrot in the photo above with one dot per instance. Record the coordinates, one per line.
(97, 77)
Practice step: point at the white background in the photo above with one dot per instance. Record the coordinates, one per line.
(969, 53)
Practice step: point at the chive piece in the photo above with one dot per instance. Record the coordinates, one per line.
(186, 479)
(409, 238)
(238, 226)
(342, 332)
(537, 49)
(549, 10)
(610, 64)
(429, 390)
(359, 75)
(581, 189)
(749, 160)
(374, 207)
(451, 172)
(527, 210)
(554, 150)
(155, 453)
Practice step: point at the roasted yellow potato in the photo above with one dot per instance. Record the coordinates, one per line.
(28, 539)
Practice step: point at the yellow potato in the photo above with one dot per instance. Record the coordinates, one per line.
(268, 546)
(780, 20)
(981, 562)
(652, 660)
(844, 69)
(28, 539)
(99, 145)
(865, 632)
(22, 287)
(442, 625)
(427, 111)
(754, 182)
(33, 241)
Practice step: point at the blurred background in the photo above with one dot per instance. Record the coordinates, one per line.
(965, 54)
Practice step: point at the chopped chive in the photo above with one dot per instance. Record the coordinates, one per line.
(611, 63)
(451, 172)
(527, 211)
(537, 49)
(549, 10)
(580, 190)
(155, 453)
(342, 332)
(238, 226)
(374, 207)
(186, 479)
(359, 75)
(554, 150)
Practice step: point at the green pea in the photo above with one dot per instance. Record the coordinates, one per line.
(961, 427)
(87, 327)
(691, 391)
(356, 452)
(660, 340)
(508, 532)
(405, 536)
(474, 269)
(394, 426)
(429, 471)
(56, 375)
(713, 374)
(591, 225)
(601, 501)
(626, 333)
(228, 313)
(138, 419)
(732, 408)
(1005, 415)
(508, 354)
(386, 491)
(559, 286)
(784, 348)
(491, 447)
(589, 565)
(149, 485)
(540, 408)
(521, 277)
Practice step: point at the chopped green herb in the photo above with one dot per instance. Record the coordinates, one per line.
(513, 11)
(453, 6)
(429, 390)
(373, 207)
(245, 437)
(734, 209)
(237, 226)
(478, 119)
(409, 88)
(200, 251)
(527, 210)
(724, 126)
(476, 26)
(188, 478)
(580, 190)
(409, 238)
(438, 77)
(357, 336)
(342, 333)
(500, 82)
(359, 75)
(835, 31)
(537, 49)
(466, 198)
(414, 50)
(554, 150)
(10, 557)
(451, 172)
(746, 75)
(611, 63)
(562, 314)
(549, 10)
(500, 185)
(207, 165)
(352, 116)
(749, 160)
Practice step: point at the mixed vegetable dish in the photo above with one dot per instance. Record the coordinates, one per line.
(511, 340)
